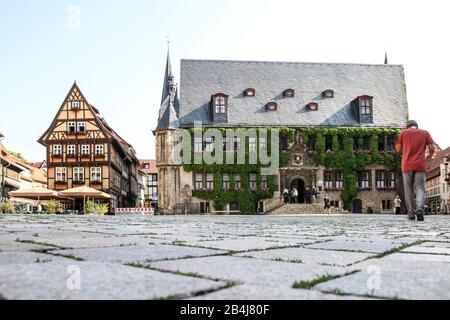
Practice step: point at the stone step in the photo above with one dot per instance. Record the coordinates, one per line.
(300, 208)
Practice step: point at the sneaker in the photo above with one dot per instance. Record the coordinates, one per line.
(420, 216)
(411, 216)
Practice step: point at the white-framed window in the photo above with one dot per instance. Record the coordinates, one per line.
(85, 149)
(78, 174)
(209, 181)
(75, 104)
(198, 145)
(226, 181)
(198, 182)
(391, 179)
(220, 104)
(71, 150)
(252, 144)
(262, 144)
(264, 182)
(61, 174)
(381, 179)
(339, 180)
(253, 181)
(237, 181)
(364, 180)
(71, 127)
(57, 150)
(96, 174)
(237, 143)
(366, 106)
(209, 144)
(99, 150)
(81, 127)
(328, 180)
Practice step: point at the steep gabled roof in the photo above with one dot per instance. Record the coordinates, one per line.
(434, 165)
(100, 121)
(202, 78)
(152, 166)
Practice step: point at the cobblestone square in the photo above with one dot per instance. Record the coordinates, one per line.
(224, 257)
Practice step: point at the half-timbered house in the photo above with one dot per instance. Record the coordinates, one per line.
(82, 149)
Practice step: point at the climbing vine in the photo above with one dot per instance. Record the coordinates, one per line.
(346, 154)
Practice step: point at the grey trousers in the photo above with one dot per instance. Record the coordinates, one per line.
(414, 181)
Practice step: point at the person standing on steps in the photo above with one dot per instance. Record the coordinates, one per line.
(412, 143)
(397, 204)
(295, 195)
(307, 195)
(285, 196)
(327, 204)
(314, 194)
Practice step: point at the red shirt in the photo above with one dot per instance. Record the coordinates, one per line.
(414, 142)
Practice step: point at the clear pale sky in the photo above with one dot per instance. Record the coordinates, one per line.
(117, 53)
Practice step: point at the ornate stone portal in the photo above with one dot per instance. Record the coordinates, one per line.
(301, 172)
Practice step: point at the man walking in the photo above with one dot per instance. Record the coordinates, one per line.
(413, 142)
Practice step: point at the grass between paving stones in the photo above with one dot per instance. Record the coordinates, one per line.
(38, 243)
(42, 261)
(395, 250)
(227, 285)
(321, 279)
(68, 256)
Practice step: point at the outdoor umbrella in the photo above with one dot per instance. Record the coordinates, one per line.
(84, 192)
(35, 193)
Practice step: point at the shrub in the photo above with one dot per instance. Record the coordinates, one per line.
(51, 206)
(90, 207)
(102, 209)
(7, 207)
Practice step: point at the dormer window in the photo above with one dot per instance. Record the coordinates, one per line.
(219, 104)
(76, 105)
(328, 93)
(272, 106)
(312, 106)
(365, 104)
(250, 92)
(289, 93)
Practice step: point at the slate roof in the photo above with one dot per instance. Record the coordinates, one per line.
(202, 78)
(168, 120)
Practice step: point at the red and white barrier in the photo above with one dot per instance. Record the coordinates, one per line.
(131, 211)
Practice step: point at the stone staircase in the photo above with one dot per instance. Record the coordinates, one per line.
(300, 208)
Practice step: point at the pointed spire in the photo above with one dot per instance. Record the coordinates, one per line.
(385, 58)
(167, 76)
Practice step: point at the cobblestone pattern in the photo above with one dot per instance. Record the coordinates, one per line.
(224, 257)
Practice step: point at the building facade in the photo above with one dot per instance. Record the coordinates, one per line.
(82, 149)
(332, 127)
(437, 184)
(149, 183)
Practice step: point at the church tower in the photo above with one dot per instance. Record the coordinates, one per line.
(168, 165)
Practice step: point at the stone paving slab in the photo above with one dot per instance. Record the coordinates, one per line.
(9, 243)
(370, 245)
(23, 257)
(328, 257)
(261, 292)
(98, 281)
(101, 241)
(397, 280)
(430, 247)
(252, 243)
(249, 270)
(139, 253)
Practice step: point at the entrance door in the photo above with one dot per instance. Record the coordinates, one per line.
(357, 206)
(299, 184)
